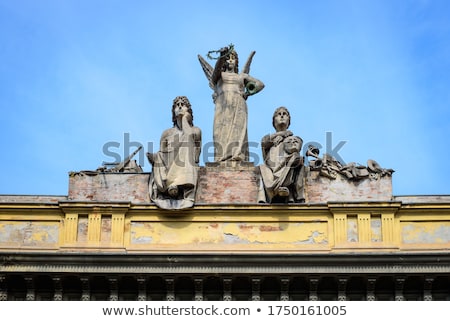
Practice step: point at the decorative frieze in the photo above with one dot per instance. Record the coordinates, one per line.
(427, 288)
(256, 289)
(3, 288)
(227, 289)
(86, 289)
(198, 284)
(31, 291)
(113, 289)
(57, 285)
(399, 284)
(342, 288)
(284, 295)
(231, 289)
(313, 283)
(142, 288)
(371, 283)
(170, 289)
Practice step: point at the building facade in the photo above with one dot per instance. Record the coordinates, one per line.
(106, 240)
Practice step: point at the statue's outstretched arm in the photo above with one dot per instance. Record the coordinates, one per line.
(218, 69)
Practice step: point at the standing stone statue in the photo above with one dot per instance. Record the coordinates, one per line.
(282, 174)
(231, 90)
(175, 167)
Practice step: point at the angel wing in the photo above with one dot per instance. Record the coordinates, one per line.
(246, 69)
(208, 70)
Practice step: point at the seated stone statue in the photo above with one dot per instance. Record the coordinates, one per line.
(175, 167)
(282, 173)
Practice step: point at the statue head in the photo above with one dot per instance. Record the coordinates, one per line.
(279, 111)
(187, 103)
(292, 144)
(232, 57)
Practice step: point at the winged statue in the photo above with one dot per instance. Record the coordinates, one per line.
(231, 90)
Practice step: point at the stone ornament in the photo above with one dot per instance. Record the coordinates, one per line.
(330, 167)
(129, 165)
(231, 90)
(282, 174)
(173, 180)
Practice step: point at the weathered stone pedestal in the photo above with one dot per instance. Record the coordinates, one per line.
(320, 189)
(225, 183)
(109, 187)
(229, 182)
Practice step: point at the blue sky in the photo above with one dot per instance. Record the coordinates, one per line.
(78, 75)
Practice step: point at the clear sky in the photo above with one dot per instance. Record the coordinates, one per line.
(81, 80)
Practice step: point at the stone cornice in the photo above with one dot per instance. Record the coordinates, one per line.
(227, 263)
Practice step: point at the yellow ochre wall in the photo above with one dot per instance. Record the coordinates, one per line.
(125, 227)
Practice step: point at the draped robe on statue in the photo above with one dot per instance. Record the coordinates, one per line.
(281, 170)
(176, 165)
(230, 118)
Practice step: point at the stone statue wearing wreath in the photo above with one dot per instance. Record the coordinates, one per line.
(231, 90)
(282, 174)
